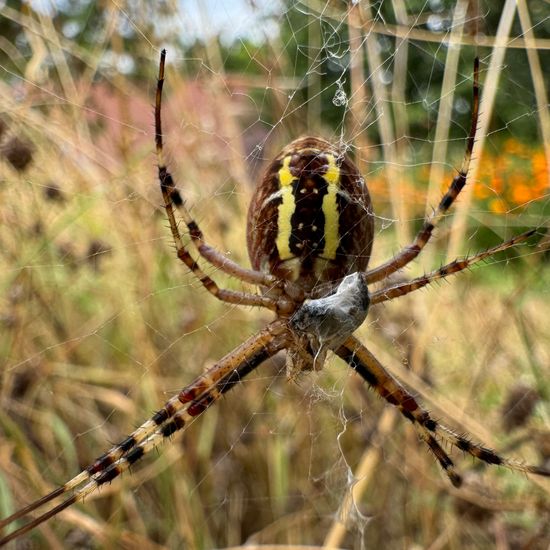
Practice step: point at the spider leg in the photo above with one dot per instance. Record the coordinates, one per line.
(172, 198)
(372, 371)
(394, 291)
(181, 409)
(411, 251)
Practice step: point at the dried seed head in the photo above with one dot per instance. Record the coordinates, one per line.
(18, 153)
(518, 406)
(52, 192)
(96, 251)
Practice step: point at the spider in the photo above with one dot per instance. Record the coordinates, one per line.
(309, 234)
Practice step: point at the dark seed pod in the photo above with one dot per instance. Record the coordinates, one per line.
(96, 251)
(518, 406)
(18, 153)
(53, 193)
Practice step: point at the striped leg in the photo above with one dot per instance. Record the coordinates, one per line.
(371, 370)
(176, 413)
(172, 198)
(391, 292)
(411, 251)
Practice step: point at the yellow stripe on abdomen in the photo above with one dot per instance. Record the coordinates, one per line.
(330, 210)
(286, 209)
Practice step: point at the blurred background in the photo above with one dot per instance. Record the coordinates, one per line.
(100, 323)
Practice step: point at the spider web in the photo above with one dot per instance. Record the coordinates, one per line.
(101, 323)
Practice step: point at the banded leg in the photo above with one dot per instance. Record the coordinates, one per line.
(173, 198)
(391, 292)
(371, 370)
(411, 251)
(176, 413)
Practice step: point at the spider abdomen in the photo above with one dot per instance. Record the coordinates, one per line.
(310, 220)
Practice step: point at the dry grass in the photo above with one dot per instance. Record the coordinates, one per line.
(100, 324)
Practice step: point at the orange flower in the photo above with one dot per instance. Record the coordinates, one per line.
(540, 173)
(515, 148)
(522, 194)
(497, 206)
(538, 161)
(481, 191)
(497, 183)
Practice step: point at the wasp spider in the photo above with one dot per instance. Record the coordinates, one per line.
(309, 233)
